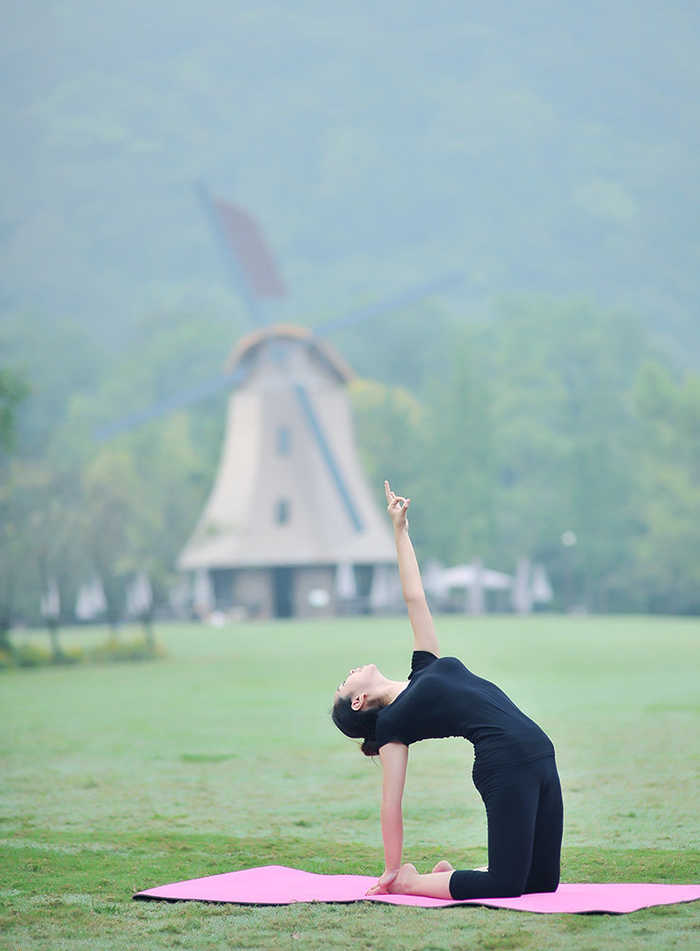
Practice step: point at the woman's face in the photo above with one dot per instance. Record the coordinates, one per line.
(358, 680)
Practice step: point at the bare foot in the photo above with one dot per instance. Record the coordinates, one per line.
(405, 880)
(443, 866)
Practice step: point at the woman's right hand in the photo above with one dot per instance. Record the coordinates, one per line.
(397, 507)
(385, 882)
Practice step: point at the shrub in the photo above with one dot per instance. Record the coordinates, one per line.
(29, 655)
(74, 655)
(112, 651)
(116, 651)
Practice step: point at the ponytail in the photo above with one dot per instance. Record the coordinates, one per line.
(370, 747)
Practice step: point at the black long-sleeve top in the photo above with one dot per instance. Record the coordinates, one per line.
(444, 698)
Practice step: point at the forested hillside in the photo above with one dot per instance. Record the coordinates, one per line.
(535, 147)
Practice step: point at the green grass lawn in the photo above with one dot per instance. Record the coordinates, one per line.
(223, 756)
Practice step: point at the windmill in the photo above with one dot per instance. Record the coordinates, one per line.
(290, 527)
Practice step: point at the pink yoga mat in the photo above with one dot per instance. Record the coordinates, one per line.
(279, 885)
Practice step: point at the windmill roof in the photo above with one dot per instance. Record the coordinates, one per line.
(257, 338)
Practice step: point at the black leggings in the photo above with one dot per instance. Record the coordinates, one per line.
(525, 821)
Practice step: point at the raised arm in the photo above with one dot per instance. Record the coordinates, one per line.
(394, 758)
(424, 636)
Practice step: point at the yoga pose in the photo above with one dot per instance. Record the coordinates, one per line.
(514, 767)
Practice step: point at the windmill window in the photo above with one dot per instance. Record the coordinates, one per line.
(284, 440)
(282, 511)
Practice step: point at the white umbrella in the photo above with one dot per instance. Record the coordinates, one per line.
(51, 601)
(91, 601)
(345, 587)
(139, 596)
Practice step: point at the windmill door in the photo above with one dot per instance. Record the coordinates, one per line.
(283, 590)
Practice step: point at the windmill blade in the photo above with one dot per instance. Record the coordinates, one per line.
(336, 475)
(410, 296)
(170, 404)
(247, 255)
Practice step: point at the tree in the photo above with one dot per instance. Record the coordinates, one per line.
(13, 508)
(19, 583)
(174, 478)
(53, 536)
(564, 429)
(111, 506)
(668, 569)
(458, 455)
(13, 390)
(388, 424)
(141, 495)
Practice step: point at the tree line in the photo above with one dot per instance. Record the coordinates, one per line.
(539, 422)
(551, 422)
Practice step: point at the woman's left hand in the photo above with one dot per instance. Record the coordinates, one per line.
(384, 884)
(397, 507)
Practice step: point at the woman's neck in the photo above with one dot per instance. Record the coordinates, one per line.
(392, 690)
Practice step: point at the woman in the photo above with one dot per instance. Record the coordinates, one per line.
(514, 767)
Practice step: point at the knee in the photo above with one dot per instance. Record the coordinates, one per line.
(549, 884)
(508, 886)
(539, 889)
(509, 891)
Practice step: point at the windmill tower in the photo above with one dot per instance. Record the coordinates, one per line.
(290, 527)
(290, 509)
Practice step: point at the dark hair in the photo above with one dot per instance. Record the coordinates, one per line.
(358, 724)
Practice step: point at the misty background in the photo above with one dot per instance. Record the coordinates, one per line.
(547, 153)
